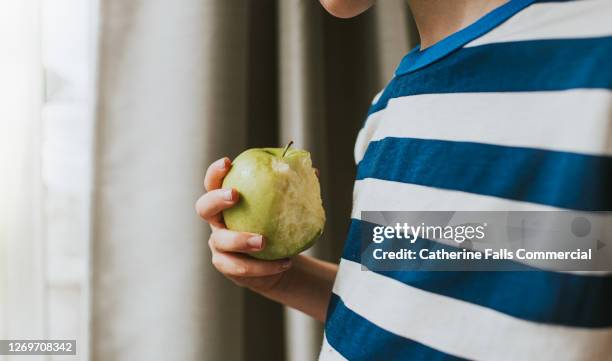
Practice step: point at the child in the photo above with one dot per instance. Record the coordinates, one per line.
(504, 106)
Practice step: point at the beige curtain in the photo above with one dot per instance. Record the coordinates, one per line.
(181, 84)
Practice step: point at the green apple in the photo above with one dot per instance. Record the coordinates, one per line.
(280, 198)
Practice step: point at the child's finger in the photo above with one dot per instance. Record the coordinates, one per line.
(239, 265)
(212, 203)
(225, 240)
(216, 172)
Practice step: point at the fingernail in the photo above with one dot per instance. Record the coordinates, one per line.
(285, 263)
(255, 242)
(221, 163)
(228, 194)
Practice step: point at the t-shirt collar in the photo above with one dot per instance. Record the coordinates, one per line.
(417, 59)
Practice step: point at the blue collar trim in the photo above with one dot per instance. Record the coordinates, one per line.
(418, 59)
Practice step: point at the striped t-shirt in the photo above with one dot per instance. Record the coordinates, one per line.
(513, 112)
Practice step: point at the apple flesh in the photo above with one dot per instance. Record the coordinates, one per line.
(280, 198)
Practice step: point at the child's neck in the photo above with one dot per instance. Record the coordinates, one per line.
(437, 19)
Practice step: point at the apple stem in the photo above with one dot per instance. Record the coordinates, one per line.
(287, 148)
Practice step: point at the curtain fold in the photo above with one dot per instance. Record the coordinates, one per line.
(22, 275)
(302, 119)
(180, 85)
(171, 99)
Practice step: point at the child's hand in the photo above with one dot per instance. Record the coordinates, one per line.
(229, 247)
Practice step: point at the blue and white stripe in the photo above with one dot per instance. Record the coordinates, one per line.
(511, 113)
